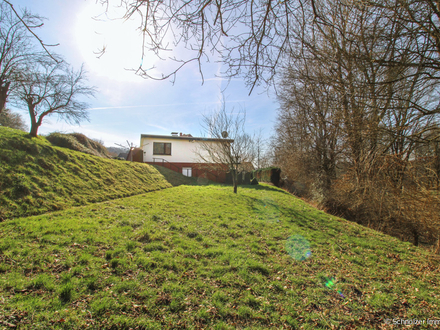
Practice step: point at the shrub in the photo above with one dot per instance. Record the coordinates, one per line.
(390, 195)
(270, 174)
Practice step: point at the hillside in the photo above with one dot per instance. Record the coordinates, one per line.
(36, 177)
(201, 257)
(78, 142)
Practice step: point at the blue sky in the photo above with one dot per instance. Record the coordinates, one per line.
(126, 105)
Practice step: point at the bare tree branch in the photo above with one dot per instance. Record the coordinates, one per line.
(29, 28)
(49, 88)
(232, 146)
(250, 38)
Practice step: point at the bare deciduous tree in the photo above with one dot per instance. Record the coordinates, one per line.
(16, 47)
(254, 38)
(358, 99)
(232, 146)
(250, 37)
(12, 120)
(261, 157)
(49, 88)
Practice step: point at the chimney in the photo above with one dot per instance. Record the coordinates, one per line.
(180, 133)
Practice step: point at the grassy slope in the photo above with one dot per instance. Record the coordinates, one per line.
(201, 257)
(36, 177)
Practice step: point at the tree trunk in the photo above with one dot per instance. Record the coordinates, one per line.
(34, 123)
(415, 236)
(34, 130)
(437, 166)
(234, 180)
(3, 95)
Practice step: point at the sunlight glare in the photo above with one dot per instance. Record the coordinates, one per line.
(298, 247)
(95, 28)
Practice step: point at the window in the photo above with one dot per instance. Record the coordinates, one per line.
(187, 171)
(161, 148)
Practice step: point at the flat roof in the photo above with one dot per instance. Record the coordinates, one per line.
(190, 138)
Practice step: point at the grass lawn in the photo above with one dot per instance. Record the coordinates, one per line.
(200, 257)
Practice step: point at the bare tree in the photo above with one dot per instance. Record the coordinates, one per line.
(260, 150)
(49, 88)
(254, 38)
(12, 120)
(308, 128)
(357, 100)
(420, 21)
(232, 146)
(16, 47)
(250, 37)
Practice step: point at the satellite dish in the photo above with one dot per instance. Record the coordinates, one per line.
(224, 134)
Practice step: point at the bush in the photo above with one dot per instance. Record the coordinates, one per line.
(12, 120)
(270, 174)
(391, 195)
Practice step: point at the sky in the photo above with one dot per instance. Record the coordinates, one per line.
(125, 105)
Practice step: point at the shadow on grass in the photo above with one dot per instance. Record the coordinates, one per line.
(174, 178)
(268, 207)
(267, 187)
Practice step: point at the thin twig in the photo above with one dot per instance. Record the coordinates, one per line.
(32, 32)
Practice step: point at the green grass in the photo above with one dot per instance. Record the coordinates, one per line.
(36, 177)
(195, 257)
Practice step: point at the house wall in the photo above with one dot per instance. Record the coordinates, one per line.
(182, 150)
(184, 153)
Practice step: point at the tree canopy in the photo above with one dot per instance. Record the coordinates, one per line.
(49, 88)
(12, 120)
(16, 47)
(357, 128)
(256, 38)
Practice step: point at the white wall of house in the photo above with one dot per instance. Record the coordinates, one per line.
(182, 150)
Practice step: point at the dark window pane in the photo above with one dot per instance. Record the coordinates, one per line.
(167, 148)
(160, 148)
